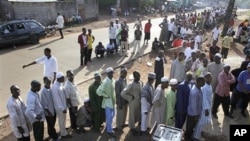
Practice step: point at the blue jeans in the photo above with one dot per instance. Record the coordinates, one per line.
(109, 113)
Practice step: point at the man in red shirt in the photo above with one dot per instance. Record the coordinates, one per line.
(147, 31)
(83, 41)
(177, 42)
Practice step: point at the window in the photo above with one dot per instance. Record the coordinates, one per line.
(20, 26)
(33, 25)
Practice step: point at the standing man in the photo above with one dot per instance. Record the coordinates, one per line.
(124, 41)
(16, 109)
(147, 28)
(112, 35)
(205, 118)
(160, 60)
(222, 92)
(60, 23)
(171, 102)
(83, 41)
(216, 33)
(50, 66)
(107, 90)
(48, 107)
(227, 43)
(132, 93)
(182, 98)
(147, 95)
(73, 98)
(215, 68)
(159, 103)
(97, 114)
(194, 107)
(137, 41)
(60, 104)
(121, 103)
(34, 110)
(91, 39)
(178, 68)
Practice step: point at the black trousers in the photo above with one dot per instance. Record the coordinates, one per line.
(84, 54)
(60, 31)
(115, 44)
(38, 130)
(51, 120)
(72, 117)
(225, 101)
(180, 118)
(89, 54)
(236, 97)
(224, 52)
(190, 125)
(24, 138)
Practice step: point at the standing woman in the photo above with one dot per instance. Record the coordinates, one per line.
(91, 39)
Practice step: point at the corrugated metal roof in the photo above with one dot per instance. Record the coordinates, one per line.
(32, 0)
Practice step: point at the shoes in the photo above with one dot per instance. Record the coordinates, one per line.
(67, 136)
(229, 115)
(215, 116)
(112, 134)
(243, 114)
(143, 133)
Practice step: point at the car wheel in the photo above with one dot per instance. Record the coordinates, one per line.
(34, 39)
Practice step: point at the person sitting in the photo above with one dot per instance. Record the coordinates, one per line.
(177, 42)
(110, 48)
(99, 50)
(83, 118)
(157, 45)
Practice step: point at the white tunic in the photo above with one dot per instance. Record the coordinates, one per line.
(50, 65)
(60, 21)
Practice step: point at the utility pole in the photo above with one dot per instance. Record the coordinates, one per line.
(228, 17)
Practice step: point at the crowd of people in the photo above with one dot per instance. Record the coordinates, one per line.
(196, 86)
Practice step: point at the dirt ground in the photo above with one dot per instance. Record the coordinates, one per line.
(220, 127)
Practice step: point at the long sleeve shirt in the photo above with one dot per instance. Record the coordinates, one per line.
(195, 102)
(59, 97)
(50, 65)
(120, 84)
(71, 92)
(178, 70)
(34, 107)
(107, 90)
(182, 97)
(224, 82)
(171, 101)
(47, 101)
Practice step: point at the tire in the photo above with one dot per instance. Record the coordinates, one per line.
(34, 39)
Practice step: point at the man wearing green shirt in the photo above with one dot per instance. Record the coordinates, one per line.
(107, 90)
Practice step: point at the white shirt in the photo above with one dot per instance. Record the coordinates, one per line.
(16, 110)
(198, 39)
(47, 101)
(59, 97)
(188, 51)
(112, 32)
(110, 46)
(72, 93)
(60, 21)
(34, 107)
(117, 26)
(215, 33)
(171, 26)
(50, 65)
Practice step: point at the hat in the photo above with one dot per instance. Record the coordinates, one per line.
(109, 69)
(164, 79)
(85, 100)
(248, 66)
(151, 75)
(206, 74)
(218, 55)
(97, 74)
(226, 65)
(173, 81)
(59, 75)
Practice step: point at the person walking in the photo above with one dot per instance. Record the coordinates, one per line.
(72, 97)
(107, 90)
(91, 40)
(60, 24)
(147, 28)
(83, 42)
(34, 110)
(97, 114)
(50, 66)
(49, 109)
(124, 41)
(121, 103)
(20, 124)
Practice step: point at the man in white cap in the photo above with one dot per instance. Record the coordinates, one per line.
(222, 92)
(159, 103)
(132, 93)
(72, 97)
(171, 101)
(205, 117)
(121, 103)
(107, 90)
(98, 114)
(147, 95)
(60, 103)
(215, 68)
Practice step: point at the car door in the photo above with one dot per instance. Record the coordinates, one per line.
(23, 32)
(8, 34)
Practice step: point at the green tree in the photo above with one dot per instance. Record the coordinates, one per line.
(229, 11)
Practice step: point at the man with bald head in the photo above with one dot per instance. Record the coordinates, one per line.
(16, 110)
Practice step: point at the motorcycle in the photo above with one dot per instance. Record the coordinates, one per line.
(50, 30)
